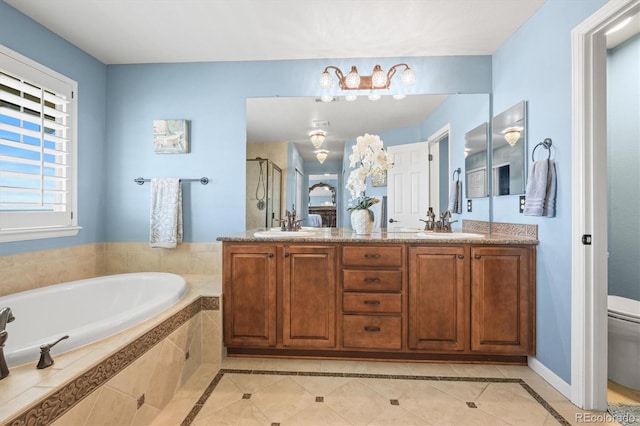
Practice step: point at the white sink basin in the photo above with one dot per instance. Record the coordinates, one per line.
(283, 234)
(449, 235)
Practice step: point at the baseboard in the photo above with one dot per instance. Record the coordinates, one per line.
(552, 378)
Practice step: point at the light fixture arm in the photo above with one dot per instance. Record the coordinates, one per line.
(392, 70)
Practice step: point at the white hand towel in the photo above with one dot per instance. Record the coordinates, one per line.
(455, 197)
(166, 213)
(541, 189)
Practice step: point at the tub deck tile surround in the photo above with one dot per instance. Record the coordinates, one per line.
(31, 396)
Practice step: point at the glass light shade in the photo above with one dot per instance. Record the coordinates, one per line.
(326, 81)
(317, 139)
(350, 98)
(408, 77)
(378, 78)
(322, 155)
(512, 136)
(352, 80)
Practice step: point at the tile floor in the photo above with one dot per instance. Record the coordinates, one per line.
(260, 391)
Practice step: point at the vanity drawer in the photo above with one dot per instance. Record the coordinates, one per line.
(372, 280)
(372, 302)
(372, 332)
(367, 255)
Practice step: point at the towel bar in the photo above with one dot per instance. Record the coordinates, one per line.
(202, 180)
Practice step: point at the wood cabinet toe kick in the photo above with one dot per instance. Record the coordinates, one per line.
(445, 302)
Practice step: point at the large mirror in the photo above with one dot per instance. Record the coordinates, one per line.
(475, 162)
(283, 121)
(509, 145)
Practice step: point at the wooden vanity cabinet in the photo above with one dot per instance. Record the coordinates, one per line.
(502, 300)
(309, 297)
(438, 300)
(249, 288)
(279, 295)
(460, 301)
(372, 290)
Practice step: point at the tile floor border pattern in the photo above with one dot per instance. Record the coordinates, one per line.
(211, 387)
(52, 407)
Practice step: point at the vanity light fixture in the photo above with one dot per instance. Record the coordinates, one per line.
(377, 80)
(512, 135)
(317, 138)
(321, 155)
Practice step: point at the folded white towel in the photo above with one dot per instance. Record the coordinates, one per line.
(315, 220)
(541, 189)
(455, 197)
(166, 213)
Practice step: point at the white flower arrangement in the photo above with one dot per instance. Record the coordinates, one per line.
(371, 159)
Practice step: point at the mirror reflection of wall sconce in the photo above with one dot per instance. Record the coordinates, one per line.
(512, 135)
(317, 138)
(321, 155)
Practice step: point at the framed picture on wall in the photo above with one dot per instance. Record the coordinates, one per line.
(170, 136)
(379, 179)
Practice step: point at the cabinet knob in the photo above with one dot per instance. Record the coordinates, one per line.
(371, 302)
(372, 329)
(372, 256)
(461, 256)
(270, 254)
(286, 254)
(477, 256)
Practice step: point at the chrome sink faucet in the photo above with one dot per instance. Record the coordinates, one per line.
(5, 317)
(444, 224)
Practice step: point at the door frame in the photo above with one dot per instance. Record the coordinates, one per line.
(434, 165)
(589, 203)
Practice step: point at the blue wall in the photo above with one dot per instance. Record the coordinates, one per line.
(623, 144)
(535, 65)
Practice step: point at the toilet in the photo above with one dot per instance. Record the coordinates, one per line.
(624, 341)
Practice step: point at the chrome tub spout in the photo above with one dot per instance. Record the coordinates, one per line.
(6, 316)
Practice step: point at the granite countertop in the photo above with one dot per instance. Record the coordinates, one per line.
(346, 235)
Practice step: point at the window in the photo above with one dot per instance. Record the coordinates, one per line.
(37, 150)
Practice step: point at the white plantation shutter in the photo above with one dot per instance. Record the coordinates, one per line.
(37, 148)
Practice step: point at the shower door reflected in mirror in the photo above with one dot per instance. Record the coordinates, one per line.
(264, 193)
(475, 162)
(509, 148)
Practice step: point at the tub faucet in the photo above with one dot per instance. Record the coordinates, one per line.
(5, 317)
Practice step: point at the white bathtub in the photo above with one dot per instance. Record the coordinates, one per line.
(86, 310)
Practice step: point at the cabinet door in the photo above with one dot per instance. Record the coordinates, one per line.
(501, 318)
(249, 296)
(309, 296)
(437, 298)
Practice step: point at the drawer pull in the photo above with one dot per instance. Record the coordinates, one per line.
(372, 256)
(372, 329)
(371, 302)
(372, 280)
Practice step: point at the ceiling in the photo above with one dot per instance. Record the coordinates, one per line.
(166, 31)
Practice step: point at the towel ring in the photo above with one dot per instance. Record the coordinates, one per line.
(546, 144)
(458, 171)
